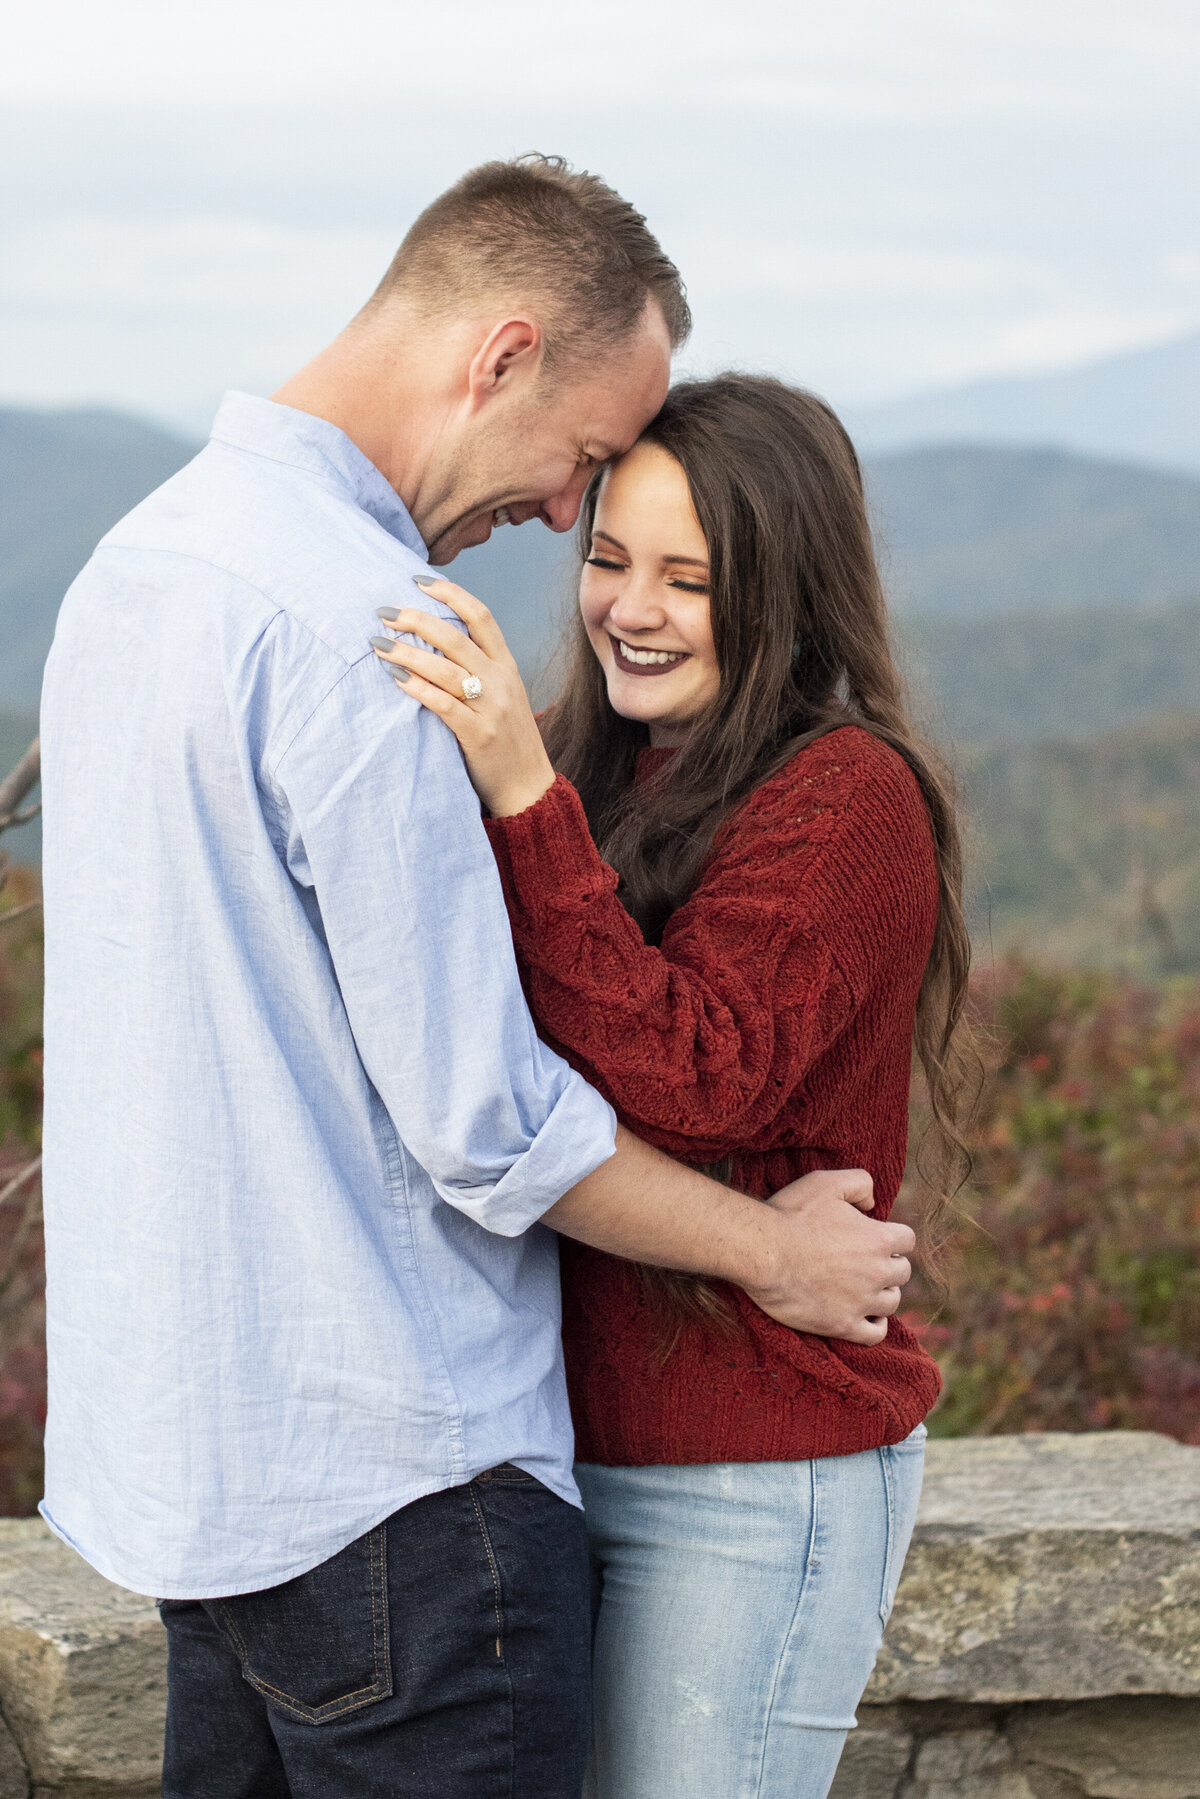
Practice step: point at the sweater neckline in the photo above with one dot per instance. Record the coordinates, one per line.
(650, 761)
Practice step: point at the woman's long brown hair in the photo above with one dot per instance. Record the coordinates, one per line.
(800, 628)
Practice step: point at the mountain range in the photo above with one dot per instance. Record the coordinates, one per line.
(968, 533)
(1140, 406)
(1046, 605)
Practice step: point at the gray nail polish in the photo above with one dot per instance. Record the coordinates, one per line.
(387, 613)
(383, 643)
(400, 674)
(426, 580)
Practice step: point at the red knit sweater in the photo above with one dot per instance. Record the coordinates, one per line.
(773, 1026)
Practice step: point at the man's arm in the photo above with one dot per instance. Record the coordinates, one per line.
(810, 1258)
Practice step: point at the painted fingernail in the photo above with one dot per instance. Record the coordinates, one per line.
(383, 643)
(387, 613)
(426, 580)
(400, 674)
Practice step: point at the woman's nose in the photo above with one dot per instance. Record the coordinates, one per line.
(634, 610)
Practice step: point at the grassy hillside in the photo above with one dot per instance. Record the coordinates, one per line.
(1088, 853)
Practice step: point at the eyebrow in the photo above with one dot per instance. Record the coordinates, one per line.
(690, 561)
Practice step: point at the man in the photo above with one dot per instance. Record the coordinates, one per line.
(305, 1374)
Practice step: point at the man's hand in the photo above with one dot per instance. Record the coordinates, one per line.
(837, 1273)
(808, 1257)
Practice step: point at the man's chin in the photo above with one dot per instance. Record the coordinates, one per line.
(466, 536)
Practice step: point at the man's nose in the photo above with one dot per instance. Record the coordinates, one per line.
(562, 509)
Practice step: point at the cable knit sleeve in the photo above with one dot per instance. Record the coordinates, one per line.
(822, 876)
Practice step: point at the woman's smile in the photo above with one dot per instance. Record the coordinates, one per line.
(633, 659)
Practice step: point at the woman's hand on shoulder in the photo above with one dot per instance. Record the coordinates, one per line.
(474, 686)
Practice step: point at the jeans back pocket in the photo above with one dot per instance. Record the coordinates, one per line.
(317, 1646)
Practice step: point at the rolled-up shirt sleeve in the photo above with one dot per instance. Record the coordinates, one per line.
(382, 834)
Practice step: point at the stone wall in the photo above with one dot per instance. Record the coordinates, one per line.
(1045, 1642)
(1046, 1638)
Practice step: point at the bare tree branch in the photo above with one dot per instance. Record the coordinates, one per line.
(20, 911)
(19, 1179)
(23, 779)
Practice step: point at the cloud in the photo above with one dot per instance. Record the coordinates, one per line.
(240, 268)
(865, 59)
(873, 197)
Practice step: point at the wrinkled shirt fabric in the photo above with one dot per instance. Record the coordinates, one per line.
(299, 1128)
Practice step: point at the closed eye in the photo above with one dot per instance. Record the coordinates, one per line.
(690, 586)
(600, 562)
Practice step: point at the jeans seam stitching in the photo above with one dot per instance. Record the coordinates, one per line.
(814, 1486)
(487, 1548)
(890, 1545)
(496, 1599)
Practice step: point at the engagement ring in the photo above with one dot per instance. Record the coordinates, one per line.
(472, 687)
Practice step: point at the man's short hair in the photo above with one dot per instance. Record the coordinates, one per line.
(538, 231)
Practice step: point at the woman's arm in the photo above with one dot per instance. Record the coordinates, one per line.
(699, 1043)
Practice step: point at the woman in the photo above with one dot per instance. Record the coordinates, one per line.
(740, 966)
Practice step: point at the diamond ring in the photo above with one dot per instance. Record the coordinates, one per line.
(472, 687)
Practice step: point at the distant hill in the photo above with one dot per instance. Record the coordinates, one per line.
(1055, 675)
(65, 479)
(972, 531)
(1089, 852)
(1143, 406)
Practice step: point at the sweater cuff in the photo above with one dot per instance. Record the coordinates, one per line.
(546, 855)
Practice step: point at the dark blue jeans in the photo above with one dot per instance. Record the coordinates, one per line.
(444, 1655)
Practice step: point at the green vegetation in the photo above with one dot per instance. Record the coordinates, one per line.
(20, 1023)
(1074, 1295)
(1088, 853)
(973, 530)
(22, 1316)
(1035, 675)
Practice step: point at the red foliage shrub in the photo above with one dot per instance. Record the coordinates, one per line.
(1074, 1291)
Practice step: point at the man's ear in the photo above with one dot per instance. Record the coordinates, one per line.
(510, 353)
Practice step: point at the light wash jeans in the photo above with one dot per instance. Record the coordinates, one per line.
(740, 1609)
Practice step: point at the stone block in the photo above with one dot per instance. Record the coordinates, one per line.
(14, 1775)
(82, 1671)
(1115, 1748)
(968, 1764)
(876, 1757)
(1050, 1567)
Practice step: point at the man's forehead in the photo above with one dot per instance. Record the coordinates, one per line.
(627, 393)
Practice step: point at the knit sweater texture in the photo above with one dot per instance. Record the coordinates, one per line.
(772, 1026)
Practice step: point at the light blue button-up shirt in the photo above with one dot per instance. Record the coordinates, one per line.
(298, 1122)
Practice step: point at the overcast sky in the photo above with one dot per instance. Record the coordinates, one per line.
(874, 197)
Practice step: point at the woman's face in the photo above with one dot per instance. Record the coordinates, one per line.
(644, 596)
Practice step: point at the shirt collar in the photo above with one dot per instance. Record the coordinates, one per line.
(280, 433)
